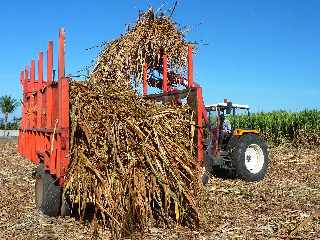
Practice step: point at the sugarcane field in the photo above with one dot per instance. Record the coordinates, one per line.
(148, 140)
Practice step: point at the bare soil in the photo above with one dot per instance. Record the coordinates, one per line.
(286, 204)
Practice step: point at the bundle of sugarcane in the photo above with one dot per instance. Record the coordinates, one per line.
(132, 160)
(152, 37)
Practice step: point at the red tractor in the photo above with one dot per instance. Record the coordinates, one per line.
(240, 151)
(45, 126)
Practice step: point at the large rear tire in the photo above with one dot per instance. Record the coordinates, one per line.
(48, 193)
(249, 155)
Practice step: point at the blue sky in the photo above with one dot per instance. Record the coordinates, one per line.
(262, 53)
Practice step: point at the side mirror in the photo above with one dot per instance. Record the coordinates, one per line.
(229, 108)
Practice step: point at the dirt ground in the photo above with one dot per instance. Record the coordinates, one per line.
(286, 202)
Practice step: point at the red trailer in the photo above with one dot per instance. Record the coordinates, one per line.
(44, 131)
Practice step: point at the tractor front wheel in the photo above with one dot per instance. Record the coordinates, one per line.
(250, 157)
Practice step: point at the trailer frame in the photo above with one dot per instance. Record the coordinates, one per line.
(45, 126)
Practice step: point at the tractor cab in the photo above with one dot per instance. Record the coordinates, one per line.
(221, 112)
(221, 116)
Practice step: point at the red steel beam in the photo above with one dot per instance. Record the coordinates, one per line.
(204, 111)
(50, 62)
(40, 69)
(61, 67)
(40, 94)
(63, 137)
(63, 86)
(49, 87)
(33, 69)
(51, 124)
(33, 96)
(26, 102)
(28, 99)
(26, 71)
(199, 123)
(64, 127)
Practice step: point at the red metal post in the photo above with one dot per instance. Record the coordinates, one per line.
(65, 106)
(32, 97)
(29, 88)
(190, 66)
(23, 89)
(64, 126)
(145, 79)
(165, 74)
(199, 122)
(50, 63)
(49, 87)
(33, 88)
(40, 69)
(61, 54)
(40, 94)
(204, 111)
(26, 74)
(63, 138)
(51, 123)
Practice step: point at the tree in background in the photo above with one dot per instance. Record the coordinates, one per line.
(7, 106)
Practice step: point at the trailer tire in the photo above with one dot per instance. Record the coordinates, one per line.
(39, 185)
(48, 192)
(249, 157)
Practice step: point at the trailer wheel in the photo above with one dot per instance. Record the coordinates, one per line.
(250, 157)
(48, 192)
(39, 185)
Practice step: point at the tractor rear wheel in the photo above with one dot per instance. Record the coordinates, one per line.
(48, 193)
(250, 157)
